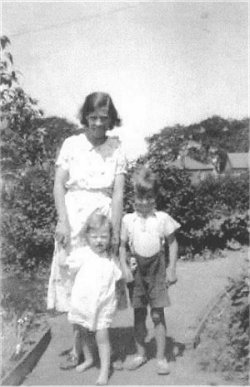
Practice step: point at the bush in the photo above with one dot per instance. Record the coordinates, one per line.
(28, 223)
(224, 345)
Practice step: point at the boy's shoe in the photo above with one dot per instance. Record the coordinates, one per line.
(70, 362)
(135, 362)
(162, 367)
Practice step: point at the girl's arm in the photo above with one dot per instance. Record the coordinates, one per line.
(173, 256)
(63, 227)
(117, 206)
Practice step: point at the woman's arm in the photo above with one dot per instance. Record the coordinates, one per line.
(117, 206)
(63, 227)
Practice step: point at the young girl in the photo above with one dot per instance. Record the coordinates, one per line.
(143, 237)
(90, 171)
(93, 298)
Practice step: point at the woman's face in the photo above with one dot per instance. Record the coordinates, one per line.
(98, 124)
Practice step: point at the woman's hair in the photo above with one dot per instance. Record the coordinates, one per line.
(145, 183)
(95, 221)
(96, 101)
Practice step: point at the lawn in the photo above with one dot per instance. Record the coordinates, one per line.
(23, 301)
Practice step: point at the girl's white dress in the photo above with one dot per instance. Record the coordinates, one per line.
(92, 171)
(93, 296)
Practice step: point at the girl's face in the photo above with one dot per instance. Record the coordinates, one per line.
(99, 240)
(144, 206)
(98, 124)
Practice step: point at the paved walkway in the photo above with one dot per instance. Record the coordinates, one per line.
(198, 282)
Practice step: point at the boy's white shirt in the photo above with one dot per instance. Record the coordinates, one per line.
(144, 234)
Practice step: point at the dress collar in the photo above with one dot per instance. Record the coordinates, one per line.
(91, 147)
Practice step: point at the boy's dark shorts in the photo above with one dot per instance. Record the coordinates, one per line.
(149, 286)
(158, 298)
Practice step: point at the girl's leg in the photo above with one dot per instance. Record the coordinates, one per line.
(87, 351)
(103, 344)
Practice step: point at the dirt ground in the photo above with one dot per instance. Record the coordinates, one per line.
(198, 282)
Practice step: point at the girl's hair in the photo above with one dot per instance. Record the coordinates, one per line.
(96, 101)
(145, 183)
(95, 221)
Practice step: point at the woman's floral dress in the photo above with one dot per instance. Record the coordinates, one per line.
(92, 171)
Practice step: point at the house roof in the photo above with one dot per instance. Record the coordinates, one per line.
(190, 164)
(238, 160)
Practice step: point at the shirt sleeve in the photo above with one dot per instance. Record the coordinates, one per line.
(75, 260)
(121, 166)
(64, 154)
(169, 225)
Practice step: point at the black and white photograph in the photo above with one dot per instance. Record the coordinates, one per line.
(124, 193)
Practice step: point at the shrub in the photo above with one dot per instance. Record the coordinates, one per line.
(27, 225)
(224, 345)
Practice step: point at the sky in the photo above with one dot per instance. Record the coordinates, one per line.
(163, 63)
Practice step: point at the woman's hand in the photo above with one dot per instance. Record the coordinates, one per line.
(62, 233)
(127, 274)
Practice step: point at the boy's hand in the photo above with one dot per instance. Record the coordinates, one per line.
(171, 277)
(133, 264)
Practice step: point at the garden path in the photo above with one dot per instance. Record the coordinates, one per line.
(198, 282)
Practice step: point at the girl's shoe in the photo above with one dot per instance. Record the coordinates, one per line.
(70, 362)
(134, 363)
(162, 367)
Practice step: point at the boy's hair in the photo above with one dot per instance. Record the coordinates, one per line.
(145, 183)
(95, 221)
(97, 101)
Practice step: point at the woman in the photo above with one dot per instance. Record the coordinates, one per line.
(90, 172)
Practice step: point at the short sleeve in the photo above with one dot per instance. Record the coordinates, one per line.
(75, 260)
(121, 166)
(169, 225)
(124, 229)
(63, 157)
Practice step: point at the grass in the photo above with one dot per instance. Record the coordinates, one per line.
(23, 295)
(224, 341)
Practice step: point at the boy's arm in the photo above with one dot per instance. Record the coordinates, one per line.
(173, 256)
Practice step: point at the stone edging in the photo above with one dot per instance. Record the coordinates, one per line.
(25, 365)
(201, 322)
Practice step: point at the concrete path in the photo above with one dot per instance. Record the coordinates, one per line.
(198, 282)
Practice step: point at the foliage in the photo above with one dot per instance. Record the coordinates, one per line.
(208, 141)
(224, 345)
(29, 144)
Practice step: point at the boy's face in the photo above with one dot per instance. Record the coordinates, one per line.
(99, 240)
(144, 205)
